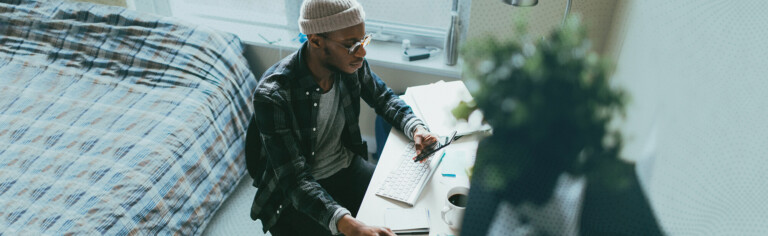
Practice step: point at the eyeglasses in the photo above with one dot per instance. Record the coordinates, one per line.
(436, 147)
(353, 49)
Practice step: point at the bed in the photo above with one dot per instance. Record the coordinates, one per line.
(116, 122)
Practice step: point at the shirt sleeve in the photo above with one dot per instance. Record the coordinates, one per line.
(340, 212)
(385, 102)
(411, 125)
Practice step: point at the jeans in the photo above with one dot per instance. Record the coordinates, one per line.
(347, 187)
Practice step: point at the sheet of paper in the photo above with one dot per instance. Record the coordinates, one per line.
(435, 102)
(410, 220)
(453, 163)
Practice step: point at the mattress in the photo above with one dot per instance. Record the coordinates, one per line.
(116, 122)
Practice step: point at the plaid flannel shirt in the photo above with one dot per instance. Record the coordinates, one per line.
(286, 108)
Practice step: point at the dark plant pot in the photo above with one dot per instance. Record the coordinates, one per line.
(611, 210)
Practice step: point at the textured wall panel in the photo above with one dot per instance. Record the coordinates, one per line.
(696, 71)
(493, 17)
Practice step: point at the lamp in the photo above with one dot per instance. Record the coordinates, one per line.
(521, 3)
(530, 3)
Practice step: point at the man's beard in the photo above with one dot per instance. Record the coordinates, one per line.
(333, 68)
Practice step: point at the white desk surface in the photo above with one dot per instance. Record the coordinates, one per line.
(432, 197)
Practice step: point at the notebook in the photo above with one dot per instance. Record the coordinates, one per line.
(407, 220)
(435, 102)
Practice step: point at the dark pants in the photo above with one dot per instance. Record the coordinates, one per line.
(347, 187)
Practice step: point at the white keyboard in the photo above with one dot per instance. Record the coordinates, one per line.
(405, 183)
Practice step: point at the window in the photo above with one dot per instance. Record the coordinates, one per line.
(423, 22)
(264, 12)
(425, 13)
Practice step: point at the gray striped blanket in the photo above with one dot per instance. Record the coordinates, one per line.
(116, 122)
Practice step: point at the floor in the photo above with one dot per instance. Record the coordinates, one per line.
(233, 218)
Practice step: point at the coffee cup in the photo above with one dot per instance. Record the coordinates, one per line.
(455, 205)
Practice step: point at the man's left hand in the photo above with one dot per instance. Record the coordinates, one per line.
(423, 139)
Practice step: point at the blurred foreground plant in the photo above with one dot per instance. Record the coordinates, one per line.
(549, 102)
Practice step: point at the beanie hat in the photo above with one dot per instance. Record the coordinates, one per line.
(320, 16)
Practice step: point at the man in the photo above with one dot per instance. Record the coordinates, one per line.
(311, 172)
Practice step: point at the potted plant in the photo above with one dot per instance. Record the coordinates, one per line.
(550, 103)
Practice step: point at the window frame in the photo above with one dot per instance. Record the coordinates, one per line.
(382, 30)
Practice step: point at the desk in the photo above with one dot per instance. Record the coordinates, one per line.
(434, 193)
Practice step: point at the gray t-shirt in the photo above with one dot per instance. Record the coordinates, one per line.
(330, 156)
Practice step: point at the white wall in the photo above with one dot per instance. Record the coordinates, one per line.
(493, 17)
(696, 71)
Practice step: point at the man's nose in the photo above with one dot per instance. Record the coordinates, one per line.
(361, 52)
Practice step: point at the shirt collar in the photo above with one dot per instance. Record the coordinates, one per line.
(302, 72)
(302, 69)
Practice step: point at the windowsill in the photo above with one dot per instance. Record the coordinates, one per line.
(386, 54)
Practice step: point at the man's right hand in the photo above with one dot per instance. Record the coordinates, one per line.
(422, 139)
(350, 226)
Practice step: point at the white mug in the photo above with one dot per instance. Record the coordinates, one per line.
(455, 204)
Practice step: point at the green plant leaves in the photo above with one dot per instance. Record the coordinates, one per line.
(549, 101)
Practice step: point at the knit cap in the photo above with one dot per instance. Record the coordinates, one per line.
(320, 16)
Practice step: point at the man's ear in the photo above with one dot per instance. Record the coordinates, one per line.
(314, 40)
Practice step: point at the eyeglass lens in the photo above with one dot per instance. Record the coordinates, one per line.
(366, 40)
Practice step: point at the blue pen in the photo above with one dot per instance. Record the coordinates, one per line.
(441, 160)
(449, 175)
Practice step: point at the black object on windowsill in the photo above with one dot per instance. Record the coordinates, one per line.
(413, 54)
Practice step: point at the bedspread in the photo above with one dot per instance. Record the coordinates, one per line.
(116, 122)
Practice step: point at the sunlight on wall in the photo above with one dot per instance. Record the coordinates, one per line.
(696, 72)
